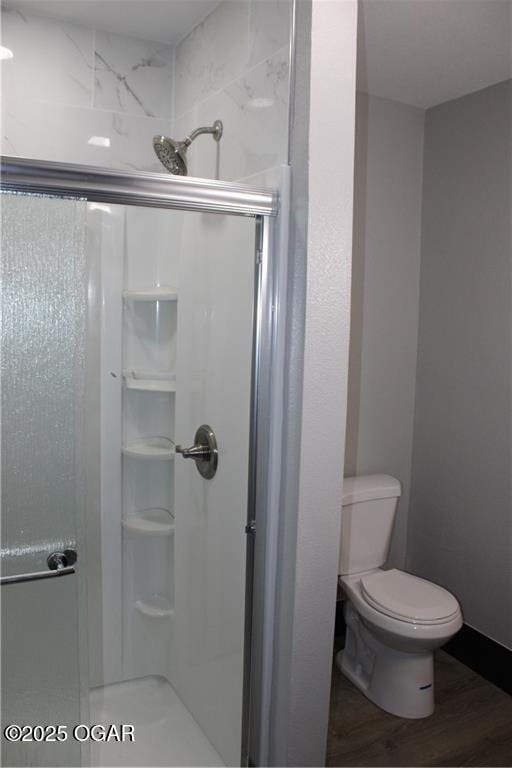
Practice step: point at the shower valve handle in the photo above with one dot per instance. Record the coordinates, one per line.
(195, 452)
(204, 451)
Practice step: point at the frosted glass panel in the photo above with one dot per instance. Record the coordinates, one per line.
(43, 347)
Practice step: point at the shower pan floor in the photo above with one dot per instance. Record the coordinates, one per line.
(166, 734)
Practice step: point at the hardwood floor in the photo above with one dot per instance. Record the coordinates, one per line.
(471, 725)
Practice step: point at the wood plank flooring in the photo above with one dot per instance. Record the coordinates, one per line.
(471, 725)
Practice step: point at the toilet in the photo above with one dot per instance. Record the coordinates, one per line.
(394, 620)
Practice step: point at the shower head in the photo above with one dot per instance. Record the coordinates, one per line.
(173, 154)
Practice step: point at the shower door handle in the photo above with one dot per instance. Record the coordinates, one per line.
(59, 564)
(204, 451)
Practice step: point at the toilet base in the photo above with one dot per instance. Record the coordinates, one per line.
(399, 682)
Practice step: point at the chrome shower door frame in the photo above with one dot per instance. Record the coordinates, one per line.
(164, 191)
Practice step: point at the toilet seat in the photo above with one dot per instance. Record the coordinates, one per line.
(408, 598)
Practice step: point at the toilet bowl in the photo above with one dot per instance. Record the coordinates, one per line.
(394, 620)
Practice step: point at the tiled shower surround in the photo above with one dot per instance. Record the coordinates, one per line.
(78, 95)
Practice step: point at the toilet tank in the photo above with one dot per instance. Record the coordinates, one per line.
(367, 516)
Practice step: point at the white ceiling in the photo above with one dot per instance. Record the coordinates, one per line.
(160, 20)
(424, 52)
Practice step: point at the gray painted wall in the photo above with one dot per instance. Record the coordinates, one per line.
(385, 296)
(460, 522)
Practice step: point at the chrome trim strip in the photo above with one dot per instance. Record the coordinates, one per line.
(36, 576)
(258, 462)
(269, 459)
(158, 190)
(250, 527)
(291, 70)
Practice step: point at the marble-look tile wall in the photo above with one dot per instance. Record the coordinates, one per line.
(234, 66)
(72, 94)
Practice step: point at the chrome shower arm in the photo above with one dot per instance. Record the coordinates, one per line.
(215, 130)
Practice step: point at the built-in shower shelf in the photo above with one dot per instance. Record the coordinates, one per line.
(157, 293)
(150, 381)
(155, 607)
(150, 522)
(154, 448)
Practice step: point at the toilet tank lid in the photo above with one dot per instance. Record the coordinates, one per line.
(370, 488)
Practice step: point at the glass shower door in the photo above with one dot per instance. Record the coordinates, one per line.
(213, 383)
(177, 339)
(128, 339)
(42, 395)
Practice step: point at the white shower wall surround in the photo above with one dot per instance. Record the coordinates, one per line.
(136, 510)
(235, 65)
(77, 95)
(147, 594)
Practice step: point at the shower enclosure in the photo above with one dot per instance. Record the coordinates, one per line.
(136, 348)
